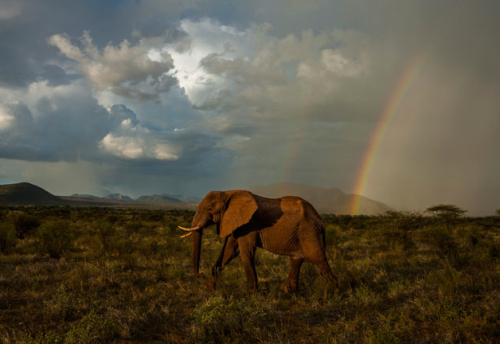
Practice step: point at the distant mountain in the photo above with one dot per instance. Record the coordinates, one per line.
(325, 200)
(27, 194)
(85, 196)
(158, 199)
(118, 196)
(184, 198)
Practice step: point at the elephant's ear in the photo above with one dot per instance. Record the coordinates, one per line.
(239, 210)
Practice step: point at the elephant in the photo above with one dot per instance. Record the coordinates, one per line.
(286, 226)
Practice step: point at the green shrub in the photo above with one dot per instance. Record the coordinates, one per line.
(448, 247)
(63, 304)
(494, 252)
(219, 318)
(172, 225)
(25, 224)
(54, 238)
(92, 328)
(333, 235)
(7, 237)
(401, 225)
(105, 231)
(42, 337)
(132, 227)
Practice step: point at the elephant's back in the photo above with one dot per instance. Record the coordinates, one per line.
(297, 204)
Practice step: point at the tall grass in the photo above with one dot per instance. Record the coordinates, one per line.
(121, 276)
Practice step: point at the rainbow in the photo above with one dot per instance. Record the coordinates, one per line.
(391, 107)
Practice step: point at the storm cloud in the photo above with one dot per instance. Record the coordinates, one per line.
(191, 96)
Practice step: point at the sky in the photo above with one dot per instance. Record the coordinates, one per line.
(397, 100)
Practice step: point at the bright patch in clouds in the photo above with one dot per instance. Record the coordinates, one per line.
(136, 147)
(127, 147)
(207, 37)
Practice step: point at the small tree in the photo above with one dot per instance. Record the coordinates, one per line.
(447, 213)
(404, 223)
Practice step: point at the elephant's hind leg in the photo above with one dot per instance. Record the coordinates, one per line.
(314, 252)
(323, 265)
(248, 258)
(292, 282)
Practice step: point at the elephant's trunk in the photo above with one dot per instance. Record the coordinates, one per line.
(200, 221)
(196, 240)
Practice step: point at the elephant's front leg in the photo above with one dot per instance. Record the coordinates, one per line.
(229, 251)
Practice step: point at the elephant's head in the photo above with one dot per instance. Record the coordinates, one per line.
(228, 209)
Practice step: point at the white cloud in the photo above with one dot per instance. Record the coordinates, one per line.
(133, 142)
(338, 64)
(125, 147)
(126, 70)
(165, 152)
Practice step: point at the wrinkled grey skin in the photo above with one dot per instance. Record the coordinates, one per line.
(286, 226)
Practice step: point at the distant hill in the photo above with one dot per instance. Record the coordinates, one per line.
(85, 196)
(158, 199)
(325, 200)
(118, 196)
(184, 198)
(27, 194)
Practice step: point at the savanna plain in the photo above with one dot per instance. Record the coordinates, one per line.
(103, 275)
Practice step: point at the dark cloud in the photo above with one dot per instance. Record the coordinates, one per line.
(23, 35)
(66, 128)
(56, 76)
(209, 94)
(19, 137)
(74, 127)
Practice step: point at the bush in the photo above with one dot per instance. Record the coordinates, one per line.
(7, 237)
(54, 238)
(172, 225)
(42, 337)
(93, 328)
(449, 248)
(221, 318)
(105, 231)
(132, 227)
(25, 225)
(402, 225)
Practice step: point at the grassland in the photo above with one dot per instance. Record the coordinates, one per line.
(83, 275)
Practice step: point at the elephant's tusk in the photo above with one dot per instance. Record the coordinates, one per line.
(189, 229)
(186, 235)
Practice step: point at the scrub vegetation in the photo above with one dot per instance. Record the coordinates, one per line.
(97, 275)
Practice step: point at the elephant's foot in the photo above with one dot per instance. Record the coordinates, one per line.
(210, 283)
(253, 289)
(289, 287)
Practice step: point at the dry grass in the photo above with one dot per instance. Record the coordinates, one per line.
(125, 277)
